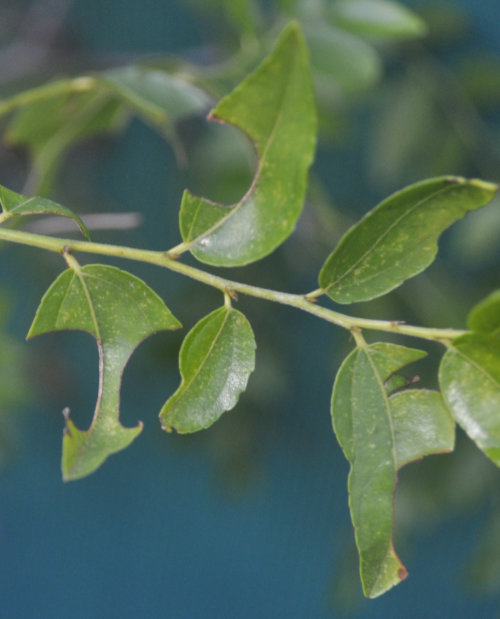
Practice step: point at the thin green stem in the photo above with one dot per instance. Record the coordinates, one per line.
(78, 84)
(226, 286)
(358, 337)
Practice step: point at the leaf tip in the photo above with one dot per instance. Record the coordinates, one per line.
(292, 29)
(485, 185)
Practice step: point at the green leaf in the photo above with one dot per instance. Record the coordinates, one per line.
(378, 18)
(274, 106)
(155, 95)
(243, 15)
(47, 128)
(15, 205)
(485, 317)
(216, 359)
(469, 376)
(93, 105)
(120, 311)
(379, 433)
(398, 238)
(346, 61)
(39, 122)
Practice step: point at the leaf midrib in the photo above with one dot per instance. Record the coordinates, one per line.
(185, 385)
(372, 248)
(235, 208)
(394, 457)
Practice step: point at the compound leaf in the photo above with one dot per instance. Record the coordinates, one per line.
(274, 106)
(216, 360)
(15, 205)
(378, 18)
(119, 310)
(469, 376)
(380, 432)
(398, 238)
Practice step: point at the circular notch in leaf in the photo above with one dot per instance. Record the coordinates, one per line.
(120, 311)
(275, 107)
(398, 238)
(216, 359)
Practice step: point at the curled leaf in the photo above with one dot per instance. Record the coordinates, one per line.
(119, 310)
(274, 106)
(216, 360)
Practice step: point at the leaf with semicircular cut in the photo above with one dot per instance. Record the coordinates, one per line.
(15, 205)
(469, 376)
(120, 311)
(398, 238)
(380, 432)
(274, 106)
(216, 360)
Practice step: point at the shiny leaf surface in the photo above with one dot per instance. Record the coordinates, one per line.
(398, 239)
(216, 360)
(119, 310)
(274, 106)
(15, 205)
(379, 433)
(469, 376)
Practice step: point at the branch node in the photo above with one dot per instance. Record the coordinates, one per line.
(397, 323)
(310, 299)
